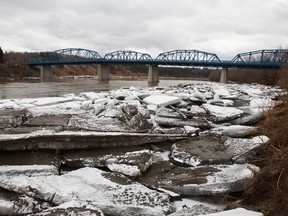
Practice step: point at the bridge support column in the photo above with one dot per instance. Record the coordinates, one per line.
(224, 75)
(103, 72)
(153, 75)
(46, 71)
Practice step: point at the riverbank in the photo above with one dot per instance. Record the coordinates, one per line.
(205, 130)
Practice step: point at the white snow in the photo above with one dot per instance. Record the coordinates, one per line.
(235, 212)
(162, 100)
(88, 184)
(239, 148)
(125, 169)
(222, 113)
(6, 207)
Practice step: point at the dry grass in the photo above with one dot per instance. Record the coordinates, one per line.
(268, 190)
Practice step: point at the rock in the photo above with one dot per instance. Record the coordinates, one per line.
(199, 151)
(93, 185)
(172, 122)
(194, 181)
(241, 149)
(221, 114)
(234, 131)
(161, 100)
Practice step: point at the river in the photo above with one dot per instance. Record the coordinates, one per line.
(58, 87)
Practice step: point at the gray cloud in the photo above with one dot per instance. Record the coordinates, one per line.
(220, 26)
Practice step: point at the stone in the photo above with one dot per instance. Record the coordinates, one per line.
(199, 151)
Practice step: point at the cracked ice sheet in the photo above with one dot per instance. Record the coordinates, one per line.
(97, 188)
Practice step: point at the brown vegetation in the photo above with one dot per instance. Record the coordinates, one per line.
(268, 191)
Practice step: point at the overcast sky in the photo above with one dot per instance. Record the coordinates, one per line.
(224, 27)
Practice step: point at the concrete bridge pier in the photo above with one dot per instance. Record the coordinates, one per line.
(103, 72)
(46, 71)
(224, 75)
(153, 75)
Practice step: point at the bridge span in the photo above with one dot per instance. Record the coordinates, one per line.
(267, 58)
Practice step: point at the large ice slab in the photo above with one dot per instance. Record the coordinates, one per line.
(161, 100)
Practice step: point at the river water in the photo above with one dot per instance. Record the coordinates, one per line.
(59, 87)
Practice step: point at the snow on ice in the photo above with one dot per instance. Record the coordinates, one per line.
(226, 112)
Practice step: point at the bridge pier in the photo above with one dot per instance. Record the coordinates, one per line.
(153, 75)
(224, 75)
(103, 72)
(46, 71)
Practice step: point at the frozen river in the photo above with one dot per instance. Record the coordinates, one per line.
(59, 87)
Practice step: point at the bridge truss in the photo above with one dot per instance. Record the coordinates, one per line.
(188, 55)
(257, 59)
(127, 55)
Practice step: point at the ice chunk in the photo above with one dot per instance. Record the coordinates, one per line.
(161, 100)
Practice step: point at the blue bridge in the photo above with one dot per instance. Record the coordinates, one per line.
(270, 58)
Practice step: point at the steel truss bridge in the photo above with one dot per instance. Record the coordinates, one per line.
(268, 58)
